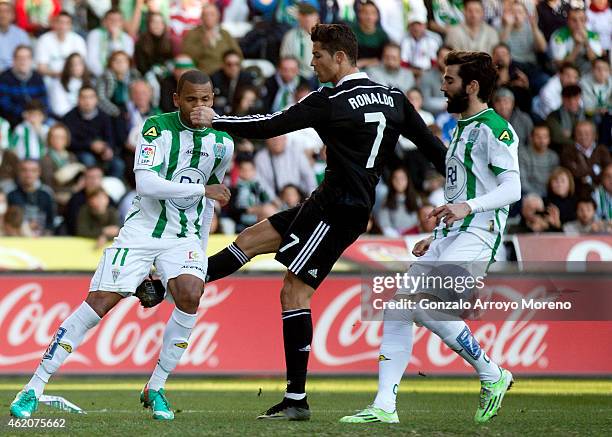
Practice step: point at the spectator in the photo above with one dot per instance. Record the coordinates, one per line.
(64, 91)
(535, 218)
(419, 44)
(503, 103)
(584, 158)
(563, 121)
(90, 181)
(552, 15)
(250, 200)
(371, 38)
(227, 80)
(279, 90)
(525, 41)
(97, 219)
(561, 197)
(574, 43)
(398, 215)
(586, 221)
(473, 34)
(603, 195)
(426, 224)
(11, 36)
(549, 98)
(19, 85)
(599, 17)
(415, 98)
(154, 47)
(537, 161)
(511, 77)
(114, 91)
(280, 164)
(290, 197)
(246, 101)
(597, 88)
(296, 42)
(3, 208)
(14, 224)
(35, 17)
(59, 167)
(8, 169)
(444, 14)
(138, 13)
(307, 139)
(86, 15)
(55, 46)
(391, 72)
(430, 83)
(30, 136)
(5, 134)
(167, 85)
(206, 43)
(107, 39)
(91, 132)
(35, 199)
(184, 16)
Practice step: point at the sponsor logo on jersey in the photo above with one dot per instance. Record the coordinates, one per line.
(151, 132)
(193, 255)
(202, 153)
(456, 179)
(188, 175)
(147, 154)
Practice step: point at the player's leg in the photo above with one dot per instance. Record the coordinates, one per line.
(183, 268)
(68, 337)
(455, 333)
(255, 240)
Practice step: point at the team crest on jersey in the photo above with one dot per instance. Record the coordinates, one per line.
(147, 154)
(455, 179)
(473, 136)
(115, 273)
(219, 150)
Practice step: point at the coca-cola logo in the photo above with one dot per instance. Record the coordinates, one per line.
(128, 334)
(341, 338)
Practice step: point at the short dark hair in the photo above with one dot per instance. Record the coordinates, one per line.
(584, 199)
(112, 11)
(540, 125)
(336, 38)
(87, 87)
(230, 52)
(192, 76)
(34, 105)
(64, 14)
(571, 91)
(465, 2)
(23, 47)
(600, 59)
(392, 45)
(476, 66)
(565, 65)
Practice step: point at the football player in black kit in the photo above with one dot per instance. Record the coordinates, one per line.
(360, 122)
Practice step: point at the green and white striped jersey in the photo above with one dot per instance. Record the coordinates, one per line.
(5, 129)
(483, 146)
(28, 143)
(180, 154)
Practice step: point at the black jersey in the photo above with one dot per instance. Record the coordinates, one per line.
(360, 122)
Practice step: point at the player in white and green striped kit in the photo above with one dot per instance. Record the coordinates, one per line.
(179, 168)
(482, 181)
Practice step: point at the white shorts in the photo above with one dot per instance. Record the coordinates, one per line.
(463, 247)
(126, 263)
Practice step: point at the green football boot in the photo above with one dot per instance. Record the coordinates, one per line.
(491, 396)
(156, 401)
(371, 414)
(25, 404)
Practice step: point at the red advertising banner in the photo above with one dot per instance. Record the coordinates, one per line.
(560, 247)
(239, 332)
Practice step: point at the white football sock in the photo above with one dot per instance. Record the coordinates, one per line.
(395, 352)
(177, 332)
(67, 338)
(457, 336)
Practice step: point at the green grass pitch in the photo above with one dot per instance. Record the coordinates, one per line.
(228, 406)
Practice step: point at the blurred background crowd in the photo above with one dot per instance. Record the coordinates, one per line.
(79, 77)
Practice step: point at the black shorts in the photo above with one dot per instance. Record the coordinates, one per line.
(314, 237)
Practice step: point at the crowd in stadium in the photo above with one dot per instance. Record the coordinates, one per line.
(79, 77)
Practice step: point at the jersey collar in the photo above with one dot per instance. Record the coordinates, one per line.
(354, 76)
(178, 116)
(472, 117)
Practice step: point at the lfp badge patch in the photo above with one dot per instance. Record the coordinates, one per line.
(147, 154)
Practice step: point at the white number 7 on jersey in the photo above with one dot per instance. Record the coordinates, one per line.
(375, 117)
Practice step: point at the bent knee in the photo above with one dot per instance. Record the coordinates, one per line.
(295, 294)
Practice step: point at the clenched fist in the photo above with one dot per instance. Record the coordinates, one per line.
(218, 192)
(202, 116)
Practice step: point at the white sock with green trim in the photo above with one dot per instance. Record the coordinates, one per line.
(457, 336)
(67, 338)
(395, 353)
(177, 332)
